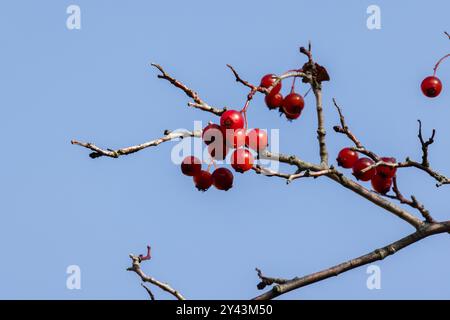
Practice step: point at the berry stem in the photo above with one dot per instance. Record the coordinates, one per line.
(306, 93)
(293, 85)
(211, 162)
(439, 62)
(146, 257)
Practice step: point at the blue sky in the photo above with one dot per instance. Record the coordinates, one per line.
(60, 208)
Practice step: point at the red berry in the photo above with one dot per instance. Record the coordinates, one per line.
(235, 138)
(191, 165)
(211, 132)
(347, 158)
(241, 160)
(232, 119)
(360, 165)
(274, 100)
(203, 180)
(268, 80)
(256, 139)
(386, 171)
(293, 105)
(222, 179)
(381, 184)
(218, 150)
(431, 86)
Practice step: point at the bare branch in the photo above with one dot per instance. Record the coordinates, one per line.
(189, 92)
(440, 178)
(267, 281)
(344, 129)
(293, 176)
(378, 254)
(246, 83)
(446, 33)
(168, 135)
(270, 173)
(150, 293)
(136, 267)
(425, 144)
(412, 203)
(376, 199)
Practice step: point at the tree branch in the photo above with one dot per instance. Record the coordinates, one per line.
(424, 165)
(246, 83)
(267, 281)
(376, 199)
(412, 203)
(199, 103)
(425, 144)
(291, 176)
(168, 135)
(378, 254)
(136, 267)
(344, 129)
(150, 293)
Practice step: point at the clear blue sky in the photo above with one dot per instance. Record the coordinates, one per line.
(59, 207)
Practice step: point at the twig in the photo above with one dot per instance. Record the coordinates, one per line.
(446, 33)
(425, 144)
(344, 129)
(150, 293)
(200, 104)
(412, 203)
(291, 176)
(267, 281)
(136, 267)
(246, 83)
(168, 135)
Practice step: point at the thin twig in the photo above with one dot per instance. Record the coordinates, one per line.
(150, 293)
(199, 103)
(425, 144)
(168, 135)
(268, 281)
(245, 82)
(136, 267)
(344, 129)
(412, 203)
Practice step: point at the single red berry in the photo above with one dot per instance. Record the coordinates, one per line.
(235, 138)
(203, 180)
(256, 139)
(211, 132)
(242, 160)
(191, 165)
(232, 119)
(386, 171)
(347, 158)
(293, 105)
(218, 150)
(360, 165)
(222, 179)
(431, 86)
(381, 184)
(274, 100)
(268, 80)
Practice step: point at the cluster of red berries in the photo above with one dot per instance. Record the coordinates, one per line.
(221, 178)
(220, 139)
(381, 176)
(291, 105)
